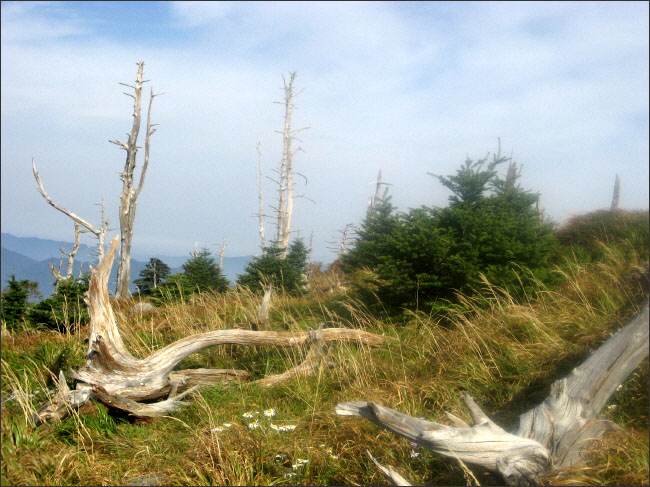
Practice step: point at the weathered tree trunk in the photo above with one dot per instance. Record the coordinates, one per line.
(260, 182)
(112, 375)
(221, 253)
(130, 193)
(285, 184)
(617, 194)
(556, 433)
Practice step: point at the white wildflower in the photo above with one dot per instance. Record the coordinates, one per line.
(280, 457)
(218, 429)
(334, 457)
(290, 474)
(619, 387)
(414, 454)
(290, 427)
(226, 425)
(611, 407)
(269, 413)
(247, 414)
(253, 425)
(296, 466)
(302, 461)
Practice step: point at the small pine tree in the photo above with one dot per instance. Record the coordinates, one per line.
(152, 276)
(65, 307)
(14, 303)
(271, 268)
(203, 273)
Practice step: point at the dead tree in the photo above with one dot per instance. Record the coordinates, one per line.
(56, 273)
(116, 378)
(285, 184)
(221, 253)
(100, 233)
(617, 194)
(130, 192)
(260, 182)
(555, 434)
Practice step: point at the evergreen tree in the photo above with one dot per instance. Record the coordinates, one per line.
(426, 255)
(14, 302)
(270, 268)
(203, 273)
(152, 276)
(65, 307)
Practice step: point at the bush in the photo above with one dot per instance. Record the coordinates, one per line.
(585, 232)
(427, 255)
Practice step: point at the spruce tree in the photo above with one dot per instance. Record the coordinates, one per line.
(203, 273)
(271, 268)
(14, 302)
(152, 276)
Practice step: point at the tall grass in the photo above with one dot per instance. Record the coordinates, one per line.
(504, 351)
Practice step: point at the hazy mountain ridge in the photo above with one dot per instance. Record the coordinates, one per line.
(28, 258)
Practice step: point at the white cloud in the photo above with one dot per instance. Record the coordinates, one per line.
(403, 88)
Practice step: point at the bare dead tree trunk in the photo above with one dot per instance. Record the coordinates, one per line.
(260, 181)
(555, 434)
(285, 185)
(115, 377)
(221, 253)
(99, 233)
(538, 207)
(374, 201)
(130, 193)
(617, 193)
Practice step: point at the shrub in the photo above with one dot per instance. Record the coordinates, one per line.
(585, 232)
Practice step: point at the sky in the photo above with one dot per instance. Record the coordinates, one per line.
(406, 88)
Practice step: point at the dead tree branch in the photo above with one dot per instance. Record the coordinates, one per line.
(112, 375)
(555, 434)
(100, 233)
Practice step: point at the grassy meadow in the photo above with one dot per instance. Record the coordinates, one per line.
(504, 351)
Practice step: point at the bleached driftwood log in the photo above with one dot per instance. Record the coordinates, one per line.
(115, 377)
(554, 434)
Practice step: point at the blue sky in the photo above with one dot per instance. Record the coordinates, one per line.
(408, 88)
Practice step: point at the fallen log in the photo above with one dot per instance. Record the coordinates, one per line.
(555, 434)
(115, 377)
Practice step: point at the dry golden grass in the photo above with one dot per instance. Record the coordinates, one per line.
(504, 352)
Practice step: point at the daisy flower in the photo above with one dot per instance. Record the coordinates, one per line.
(218, 429)
(247, 414)
(269, 413)
(253, 425)
(226, 425)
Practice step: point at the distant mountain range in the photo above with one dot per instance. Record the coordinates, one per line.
(28, 258)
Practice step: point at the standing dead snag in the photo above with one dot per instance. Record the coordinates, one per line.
(115, 377)
(286, 184)
(554, 434)
(130, 193)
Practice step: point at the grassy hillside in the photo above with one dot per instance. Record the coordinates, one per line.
(504, 352)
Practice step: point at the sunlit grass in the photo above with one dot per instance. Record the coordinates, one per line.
(504, 351)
